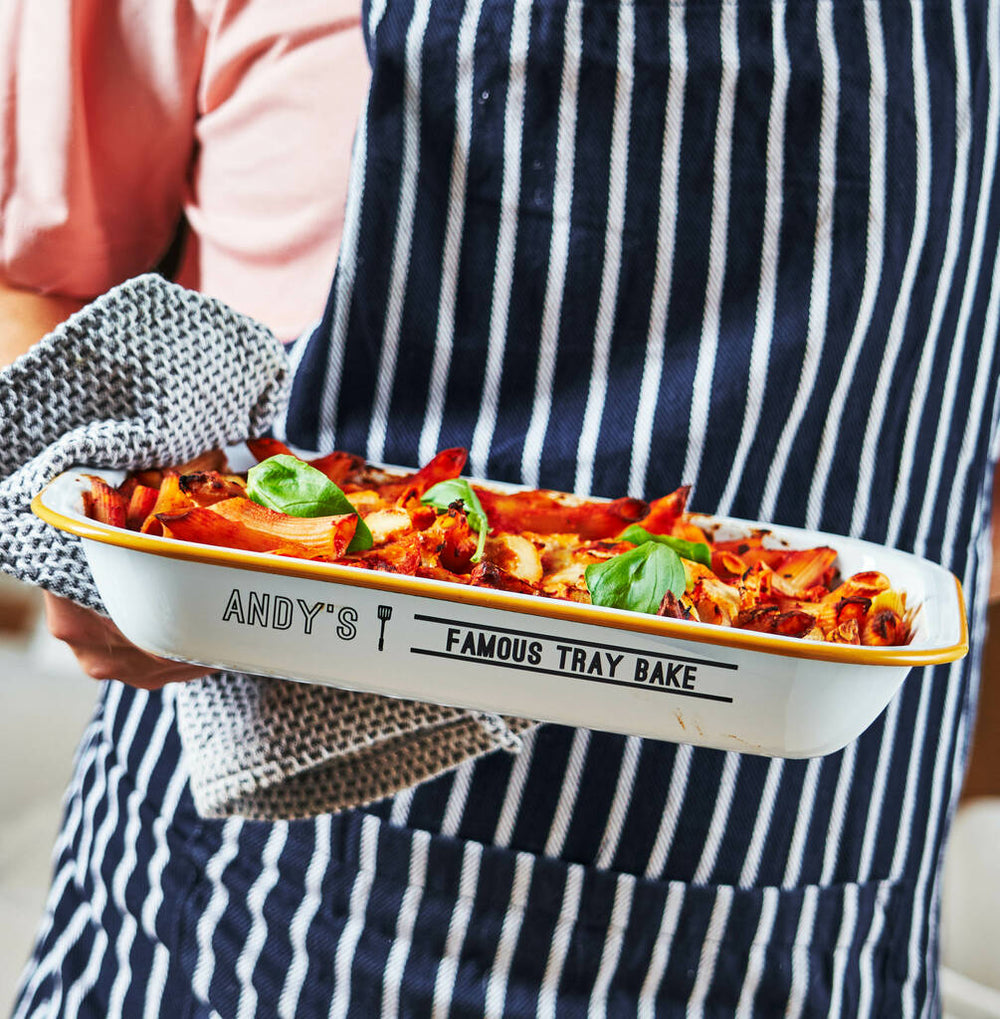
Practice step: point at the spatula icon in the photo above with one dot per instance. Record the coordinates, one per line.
(384, 614)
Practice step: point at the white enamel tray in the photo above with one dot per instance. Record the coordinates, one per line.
(541, 658)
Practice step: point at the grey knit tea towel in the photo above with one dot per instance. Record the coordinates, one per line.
(149, 375)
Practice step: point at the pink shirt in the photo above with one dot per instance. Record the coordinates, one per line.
(120, 117)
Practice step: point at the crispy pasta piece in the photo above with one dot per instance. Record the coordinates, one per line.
(886, 622)
(105, 503)
(770, 619)
(241, 523)
(266, 446)
(140, 505)
(554, 513)
(487, 574)
(170, 501)
(445, 466)
(209, 487)
(205, 527)
(400, 556)
(674, 608)
(664, 512)
(338, 467)
(803, 569)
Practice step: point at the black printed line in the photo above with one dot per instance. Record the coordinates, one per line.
(572, 675)
(577, 643)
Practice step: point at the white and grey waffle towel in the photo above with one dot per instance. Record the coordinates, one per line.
(151, 374)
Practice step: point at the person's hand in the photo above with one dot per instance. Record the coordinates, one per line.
(26, 316)
(103, 651)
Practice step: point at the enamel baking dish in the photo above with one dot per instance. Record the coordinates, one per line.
(497, 651)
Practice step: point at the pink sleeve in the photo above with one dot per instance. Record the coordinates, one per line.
(98, 104)
(120, 117)
(281, 90)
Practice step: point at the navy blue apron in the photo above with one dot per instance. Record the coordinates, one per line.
(612, 247)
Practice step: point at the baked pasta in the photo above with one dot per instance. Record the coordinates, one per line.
(626, 553)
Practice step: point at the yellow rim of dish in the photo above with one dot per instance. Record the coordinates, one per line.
(700, 633)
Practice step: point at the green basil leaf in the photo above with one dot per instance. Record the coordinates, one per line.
(696, 551)
(444, 493)
(290, 485)
(637, 579)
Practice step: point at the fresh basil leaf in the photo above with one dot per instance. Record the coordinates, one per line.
(696, 551)
(637, 579)
(444, 493)
(290, 485)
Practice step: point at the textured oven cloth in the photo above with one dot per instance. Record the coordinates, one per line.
(151, 374)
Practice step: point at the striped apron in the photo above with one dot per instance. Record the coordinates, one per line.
(612, 247)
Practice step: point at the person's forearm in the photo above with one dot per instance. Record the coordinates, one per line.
(27, 316)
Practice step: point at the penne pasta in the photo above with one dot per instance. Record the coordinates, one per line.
(652, 557)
